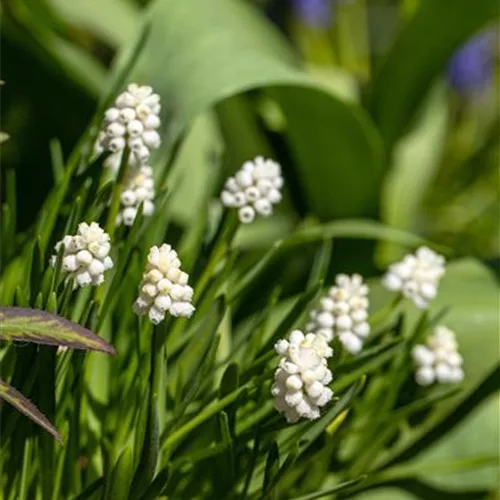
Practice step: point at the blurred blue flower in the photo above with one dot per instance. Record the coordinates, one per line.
(315, 13)
(471, 68)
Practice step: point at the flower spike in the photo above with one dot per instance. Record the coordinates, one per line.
(164, 287)
(86, 255)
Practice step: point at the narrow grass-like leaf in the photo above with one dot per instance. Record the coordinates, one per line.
(25, 406)
(331, 491)
(350, 364)
(489, 385)
(57, 160)
(348, 228)
(367, 368)
(320, 263)
(121, 477)
(226, 462)
(147, 465)
(290, 320)
(229, 383)
(208, 412)
(305, 433)
(31, 325)
(36, 270)
(270, 471)
(6, 234)
(157, 486)
(245, 281)
(24, 480)
(253, 461)
(56, 272)
(287, 464)
(436, 468)
(74, 216)
(91, 489)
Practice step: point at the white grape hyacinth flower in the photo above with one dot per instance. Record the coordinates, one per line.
(417, 276)
(133, 120)
(139, 187)
(86, 255)
(301, 381)
(439, 360)
(343, 313)
(254, 189)
(164, 287)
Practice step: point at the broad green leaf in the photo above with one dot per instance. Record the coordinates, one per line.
(418, 55)
(25, 406)
(32, 325)
(334, 155)
(26, 28)
(433, 468)
(470, 291)
(113, 20)
(207, 66)
(192, 177)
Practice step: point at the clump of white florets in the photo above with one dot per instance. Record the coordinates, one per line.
(133, 120)
(439, 360)
(343, 313)
(138, 188)
(416, 276)
(254, 189)
(86, 255)
(301, 380)
(164, 287)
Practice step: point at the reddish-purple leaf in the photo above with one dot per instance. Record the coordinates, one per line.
(33, 325)
(25, 406)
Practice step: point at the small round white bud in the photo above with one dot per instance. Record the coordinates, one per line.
(246, 214)
(263, 207)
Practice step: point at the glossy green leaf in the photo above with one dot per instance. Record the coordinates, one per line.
(332, 156)
(470, 291)
(33, 325)
(25, 406)
(207, 66)
(112, 20)
(418, 55)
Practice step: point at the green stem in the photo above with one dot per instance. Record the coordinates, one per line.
(219, 247)
(117, 191)
(204, 415)
(385, 312)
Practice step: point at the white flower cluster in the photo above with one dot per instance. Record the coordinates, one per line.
(416, 276)
(132, 121)
(254, 189)
(164, 287)
(300, 384)
(86, 255)
(343, 313)
(139, 188)
(439, 360)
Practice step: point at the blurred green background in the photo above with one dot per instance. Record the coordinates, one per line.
(381, 109)
(431, 167)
